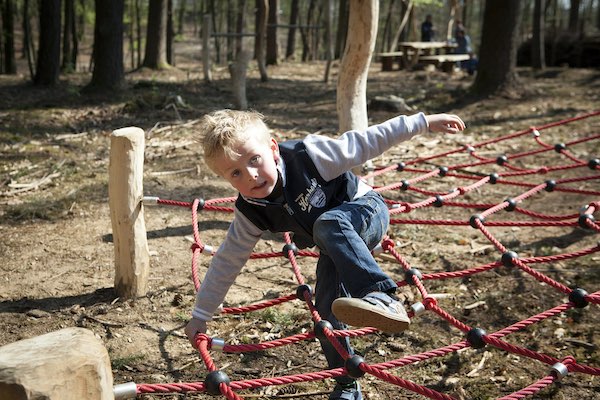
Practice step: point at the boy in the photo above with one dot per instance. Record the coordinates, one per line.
(306, 187)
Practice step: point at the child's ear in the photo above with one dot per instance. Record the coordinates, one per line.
(274, 148)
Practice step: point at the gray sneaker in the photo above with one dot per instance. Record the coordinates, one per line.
(350, 392)
(377, 309)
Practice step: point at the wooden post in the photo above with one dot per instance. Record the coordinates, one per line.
(125, 192)
(206, 29)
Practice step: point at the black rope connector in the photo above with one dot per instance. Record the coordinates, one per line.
(405, 185)
(409, 273)
(439, 201)
(352, 365)
(475, 338)
(288, 247)
(593, 163)
(201, 204)
(400, 166)
(550, 185)
(559, 147)
(494, 178)
(508, 258)
(577, 297)
(213, 380)
(583, 218)
(474, 218)
(443, 171)
(300, 290)
(512, 204)
(501, 160)
(320, 327)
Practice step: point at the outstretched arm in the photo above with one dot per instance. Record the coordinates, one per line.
(445, 123)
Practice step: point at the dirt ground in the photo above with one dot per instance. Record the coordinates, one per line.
(57, 253)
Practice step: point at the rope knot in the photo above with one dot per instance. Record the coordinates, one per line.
(387, 243)
(429, 302)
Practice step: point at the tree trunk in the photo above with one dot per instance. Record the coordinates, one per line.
(108, 46)
(170, 34)
(574, 16)
(261, 33)
(342, 30)
(8, 32)
(48, 63)
(239, 27)
(27, 42)
(138, 30)
(156, 35)
(291, 39)
(272, 43)
(69, 62)
(181, 16)
(538, 51)
(328, 37)
(496, 73)
(352, 81)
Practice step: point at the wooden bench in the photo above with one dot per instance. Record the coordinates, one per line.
(387, 59)
(445, 62)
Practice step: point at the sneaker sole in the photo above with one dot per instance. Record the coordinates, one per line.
(357, 312)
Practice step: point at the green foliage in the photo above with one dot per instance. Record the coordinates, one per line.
(120, 363)
(277, 317)
(430, 3)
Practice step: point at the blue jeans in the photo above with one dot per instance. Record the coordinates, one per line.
(345, 236)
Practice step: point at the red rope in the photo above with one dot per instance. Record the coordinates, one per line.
(584, 219)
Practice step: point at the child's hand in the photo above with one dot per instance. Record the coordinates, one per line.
(194, 327)
(445, 123)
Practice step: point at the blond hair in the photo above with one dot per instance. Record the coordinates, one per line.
(223, 131)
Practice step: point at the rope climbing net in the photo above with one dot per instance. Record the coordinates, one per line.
(567, 180)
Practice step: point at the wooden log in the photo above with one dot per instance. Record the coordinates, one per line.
(69, 364)
(125, 192)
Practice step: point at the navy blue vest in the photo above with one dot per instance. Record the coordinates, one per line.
(306, 196)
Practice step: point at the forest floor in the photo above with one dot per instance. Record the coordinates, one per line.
(57, 252)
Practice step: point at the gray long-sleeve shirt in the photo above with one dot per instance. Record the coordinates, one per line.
(332, 157)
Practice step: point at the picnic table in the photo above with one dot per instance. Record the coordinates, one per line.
(412, 51)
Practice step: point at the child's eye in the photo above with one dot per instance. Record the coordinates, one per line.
(255, 160)
(235, 173)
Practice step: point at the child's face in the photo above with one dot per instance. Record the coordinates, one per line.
(254, 172)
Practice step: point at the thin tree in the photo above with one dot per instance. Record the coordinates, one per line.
(170, 34)
(108, 71)
(261, 34)
(8, 32)
(181, 16)
(574, 16)
(342, 29)
(351, 100)
(291, 39)
(272, 44)
(328, 38)
(48, 61)
(538, 51)
(28, 50)
(156, 36)
(496, 72)
(70, 42)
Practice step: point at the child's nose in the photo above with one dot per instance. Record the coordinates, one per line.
(253, 173)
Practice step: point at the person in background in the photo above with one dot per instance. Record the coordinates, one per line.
(427, 29)
(463, 46)
(306, 187)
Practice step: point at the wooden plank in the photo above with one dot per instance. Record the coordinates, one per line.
(441, 58)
